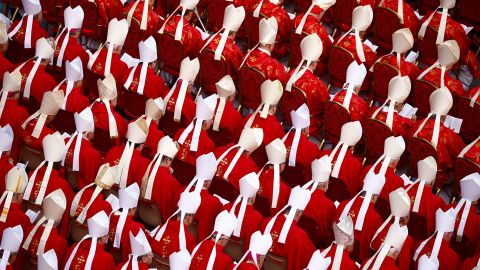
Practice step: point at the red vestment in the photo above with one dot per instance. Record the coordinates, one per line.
(55, 241)
(322, 210)
(230, 124)
(474, 153)
(406, 253)
(17, 45)
(208, 210)
(129, 226)
(118, 68)
(244, 165)
(307, 151)
(387, 264)
(138, 163)
(297, 248)
(154, 21)
(205, 146)
(312, 26)
(315, 93)
(229, 64)
(169, 242)
(252, 221)
(470, 231)
(429, 204)
(191, 38)
(449, 146)
(100, 117)
(41, 83)
(154, 135)
(72, 51)
(272, 129)
(5, 65)
(163, 193)
(154, 85)
(371, 223)
(401, 125)
(14, 115)
(266, 190)
(89, 162)
(455, 31)
(56, 182)
(102, 260)
(141, 266)
(268, 66)
(215, 12)
(247, 265)
(348, 43)
(346, 264)
(470, 263)
(188, 108)
(76, 101)
(350, 171)
(342, 12)
(29, 140)
(98, 205)
(269, 10)
(392, 181)
(359, 109)
(16, 216)
(201, 257)
(447, 257)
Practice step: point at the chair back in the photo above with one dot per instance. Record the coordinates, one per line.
(428, 46)
(470, 115)
(134, 36)
(90, 27)
(211, 70)
(32, 156)
(234, 248)
(170, 126)
(149, 213)
(262, 205)
(375, 134)
(170, 52)
(339, 60)
(90, 84)
(77, 230)
(250, 80)
(275, 262)
(382, 74)
(290, 101)
(463, 167)
(422, 90)
(64, 122)
(297, 175)
(342, 14)
(420, 149)
(71, 177)
(183, 171)
(467, 13)
(160, 263)
(102, 141)
(417, 227)
(220, 137)
(223, 189)
(252, 28)
(337, 190)
(334, 117)
(315, 232)
(382, 34)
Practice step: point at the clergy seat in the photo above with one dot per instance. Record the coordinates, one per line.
(220, 137)
(385, 23)
(290, 101)
(90, 84)
(168, 125)
(234, 248)
(382, 207)
(321, 241)
(465, 248)
(375, 134)
(13, 50)
(425, 6)
(90, 26)
(382, 74)
(30, 156)
(470, 115)
(342, 14)
(339, 60)
(275, 262)
(337, 190)
(30, 104)
(468, 13)
(64, 122)
(134, 36)
(71, 177)
(160, 263)
(30, 263)
(211, 70)
(294, 176)
(249, 81)
(422, 90)
(133, 104)
(334, 116)
(463, 167)
(102, 141)
(77, 230)
(428, 46)
(170, 52)
(420, 149)
(252, 27)
(417, 227)
(223, 189)
(148, 212)
(262, 205)
(183, 171)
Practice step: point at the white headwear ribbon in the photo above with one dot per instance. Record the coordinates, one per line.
(196, 126)
(464, 216)
(91, 253)
(441, 27)
(150, 175)
(340, 157)
(219, 112)
(43, 185)
(233, 162)
(124, 164)
(27, 43)
(177, 115)
(358, 43)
